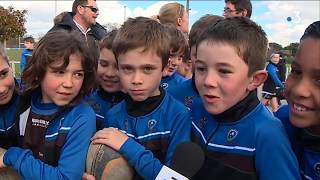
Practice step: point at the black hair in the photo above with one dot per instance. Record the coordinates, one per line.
(313, 30)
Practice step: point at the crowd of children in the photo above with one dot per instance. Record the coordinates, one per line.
(135, 101)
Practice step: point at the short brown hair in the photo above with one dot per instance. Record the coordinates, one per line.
(169, 13)
(76, 3)
(248, 39)
(142, 32)
(198, 27)
(241, 5)
(178, 41)
(107, 41)
(28, 39)
(53, 47)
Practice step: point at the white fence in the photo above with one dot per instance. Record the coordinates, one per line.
(15, 65)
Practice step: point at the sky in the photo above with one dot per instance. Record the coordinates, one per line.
(283, 21)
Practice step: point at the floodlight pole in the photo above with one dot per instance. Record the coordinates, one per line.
(124, 13)
(187, 7)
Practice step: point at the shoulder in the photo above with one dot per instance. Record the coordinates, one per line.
(116, 109)
(179, 77)
(180, 87)
(98, 31)
(172, 105)
(83, 108)
(266, 125)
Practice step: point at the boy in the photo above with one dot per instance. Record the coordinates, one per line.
(237, 8)
(187, 91)
(301, 117)
(27, 52)
(241, 138)
(150, 123)
(109, 92)
(9, 99)
(272, 84)
(178, 47)
(53, 123)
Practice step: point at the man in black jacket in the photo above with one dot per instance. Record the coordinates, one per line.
(83, 19)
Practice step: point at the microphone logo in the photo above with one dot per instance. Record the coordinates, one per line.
(295, 19)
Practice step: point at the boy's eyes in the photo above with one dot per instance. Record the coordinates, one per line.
(58, 72)
(200, 69)
(126, 69)
(148, 69)
(103, 63)
(79, 74)
(4, 74)
(225, 71)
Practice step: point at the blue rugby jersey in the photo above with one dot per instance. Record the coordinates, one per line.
(305, 145)
(61, 151)
(250, 145)
(153, 137)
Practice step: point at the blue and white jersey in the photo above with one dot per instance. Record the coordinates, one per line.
(185, 92)
(250, 147)
(305, 145)
(153, 137)
(172, 80)
(54, 143)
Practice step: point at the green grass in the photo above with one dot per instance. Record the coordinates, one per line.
(14, 55)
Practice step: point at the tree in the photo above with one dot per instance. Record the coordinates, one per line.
(11, 23)
(293, 47)
(275, 47)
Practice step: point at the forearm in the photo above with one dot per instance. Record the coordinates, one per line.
(2, 151)
(143, 160)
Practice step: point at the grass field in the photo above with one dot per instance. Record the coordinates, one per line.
(14, 55)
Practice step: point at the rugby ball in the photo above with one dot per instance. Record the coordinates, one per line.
(105, 163)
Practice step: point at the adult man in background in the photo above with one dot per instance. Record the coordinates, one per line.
(235, 8)
(83, 19)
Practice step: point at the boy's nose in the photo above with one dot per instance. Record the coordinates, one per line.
(137, 78)
(67, 83)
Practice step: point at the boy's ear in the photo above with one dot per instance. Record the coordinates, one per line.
(258, 78)
(179, 21)
(244, 13)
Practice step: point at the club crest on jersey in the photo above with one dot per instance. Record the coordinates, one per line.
(232, 134)
(202, 123)
(151, 124)
(164, 85)
(188, 100)
(316, 168)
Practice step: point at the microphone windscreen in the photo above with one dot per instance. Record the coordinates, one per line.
(187, 159)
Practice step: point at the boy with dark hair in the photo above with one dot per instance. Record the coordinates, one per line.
(235, 8)
(241, 138)
(148, 125)
(27, 52)
(178, 48)
(187, 91)
(301, 117)
(109, 91)
(53, 124)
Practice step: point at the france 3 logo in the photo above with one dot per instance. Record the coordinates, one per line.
(295, 18)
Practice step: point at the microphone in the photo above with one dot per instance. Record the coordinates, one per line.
(187, 160)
